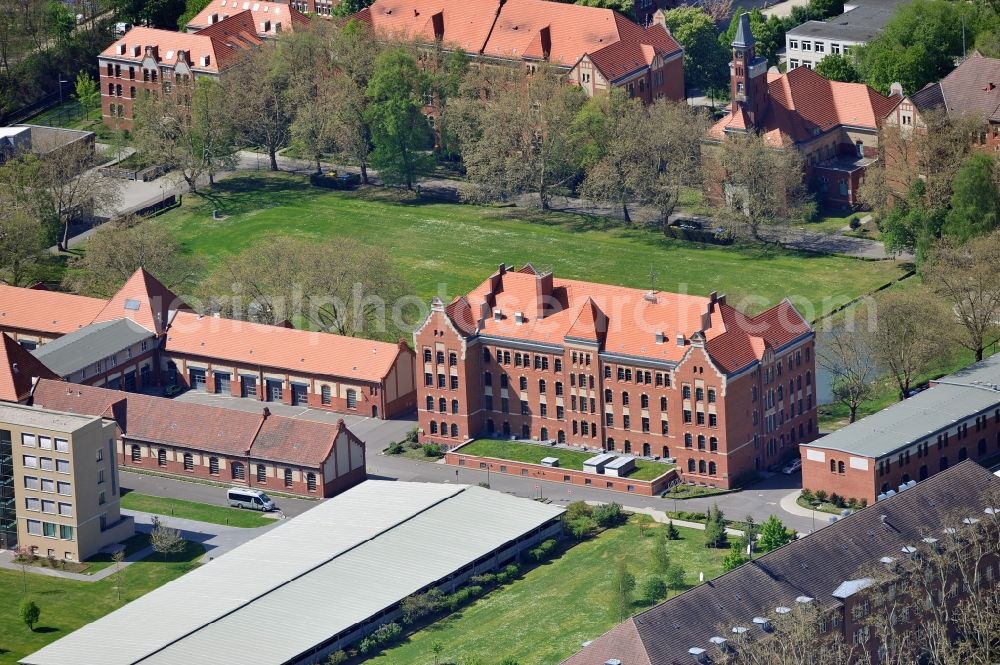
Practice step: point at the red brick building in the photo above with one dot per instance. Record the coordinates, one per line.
(649, 373)
(957, 418)
(258, 450)
(146, 336)
(834, 125)
(597, 49)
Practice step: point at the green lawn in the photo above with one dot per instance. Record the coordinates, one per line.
(447, 249)
(190, 510)
(568, 459)
(67, 605)
(545, 616)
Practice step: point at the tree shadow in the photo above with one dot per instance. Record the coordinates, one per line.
(45, 629)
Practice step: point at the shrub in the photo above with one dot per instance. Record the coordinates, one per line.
(807, 495)
(672, 532)
(543, 551)
(863, 503)
(52, 561)
(432, 450)
(821, 495)
(486, 579)
(855, 223)
(421, 604)
(675, 577)
(411, 436)
(387, 632)
(367, 646)
(852, 503)
(29, 613)
(336, 658)
(508, 574)
(395, 448)
(23, 554)
(837, 500)
(578, 509)
(653, 589)
(609, 515)
(485, 485)
(509, 660)
(581, 527)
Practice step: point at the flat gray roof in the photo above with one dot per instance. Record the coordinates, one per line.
(90, 344)
(619, 462)
(956, 398)
(856, 25)
(310, 578)
(29, 416)
(599, 460)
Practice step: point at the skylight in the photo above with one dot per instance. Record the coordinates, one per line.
(133, 305)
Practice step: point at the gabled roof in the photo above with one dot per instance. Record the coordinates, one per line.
(144, 300)
(591, 324)
(220, 52)
(18, 370)
(44, 311)
(90, 344)
(816, 567)
(273, 12)
(297, 441)
(972, 88)
(302, 351)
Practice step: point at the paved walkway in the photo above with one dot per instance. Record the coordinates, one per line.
(7, 561)
(789, 504)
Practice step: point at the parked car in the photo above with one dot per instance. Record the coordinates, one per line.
(171, 390)
(241, 497)
(792, 467)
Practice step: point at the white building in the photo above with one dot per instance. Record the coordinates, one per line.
(807, 44)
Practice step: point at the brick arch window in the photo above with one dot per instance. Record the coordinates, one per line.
(434, 427)
(610, 444)
(522, 382)
(701, 467)
(237, 470)
(713, 444)
(444, 428)
(541, 386)
(711, 468)
(701, 442)
(833, 466)
(442, 405)
(840, 467)
(454, 430)
(430, 402)
(628, 446)
(688, 440)
(454, 406)
(646, 450)
(690, 465)
(544, 434)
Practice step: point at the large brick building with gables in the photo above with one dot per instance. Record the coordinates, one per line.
(656, 374)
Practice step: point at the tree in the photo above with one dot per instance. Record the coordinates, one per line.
(838, 67)
(715, 529)
(736, 556)
(975, 199)
(675, 577)
(23, 241)
(339, 286)
(437, 649)
(517, 137)
(846, 355)
(312, 93)
(623, 7)
(762, 185)
(966, 277)
(24, 557)
(706, 59)
(348, 8)
(672, 532)
(120, 247)
(191, 9)
(261, 109)
(661, 558)
(118, 557)
(87, 94)
(910, 334)
(622, 587)
(773, 534)
(166, 540)
(653, 589)
(29, 613)
(399, 128)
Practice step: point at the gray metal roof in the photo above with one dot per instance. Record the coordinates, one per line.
(619, 462)
(90, 344)
(857, 25)
(56, 421)
(956, 398)
(308, 579)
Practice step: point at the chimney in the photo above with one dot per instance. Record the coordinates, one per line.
(543, 294)
(502, 269)
(497, 314)
(518, 318)
(659, 337)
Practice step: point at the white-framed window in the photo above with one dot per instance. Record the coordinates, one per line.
(807, 64)
(100, 454)
(62, 446)
(847, 49)
(807, 46)
(793, 43)
(66, 509)
(48, 506)
(46, 463)
(35, 527)
(792, 64)
(28, 440)
(31, 503)
(820, 47)
(62, 465)
(834, 48)
(30, 482)
(48, 485)
(29, 461)
(45, 442)
(64, 488)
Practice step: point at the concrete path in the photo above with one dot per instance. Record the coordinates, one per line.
(7, 561)
(662, 518)
(789, 503)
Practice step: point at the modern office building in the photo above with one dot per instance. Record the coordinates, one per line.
(65, 482)
(807, 44)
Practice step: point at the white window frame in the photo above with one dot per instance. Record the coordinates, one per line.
(807, 45)
(793, 44)
(28, 440)
(64, 484)
(65, 509)
(29, 461)
(45, 442)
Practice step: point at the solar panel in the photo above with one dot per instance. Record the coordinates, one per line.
(132, 305)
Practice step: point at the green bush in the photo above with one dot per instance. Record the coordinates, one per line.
(411, 436)
(837, 500)
(807, 495)
(578, 509)
(432, 450)
(395, 448)
(508, 574)
(543, 551)
(336, 658)
(821, 495)
(653, 589)
(581, 527)
(609, 515)
(421, 604)
(367, 645)
(486, 579)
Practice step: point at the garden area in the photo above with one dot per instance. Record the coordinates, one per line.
(829, 503)
(191, 510)
(568, 459)
(481, 237)
(65, 605)
(535, 619)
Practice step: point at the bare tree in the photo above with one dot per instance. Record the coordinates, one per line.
(118, 557)
(719, 10)
(910, 335)
(846, 355)
(117, 249)
(967, 278)
(166, 540)
(762, 185)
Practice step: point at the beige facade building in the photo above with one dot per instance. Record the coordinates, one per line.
(65, 481)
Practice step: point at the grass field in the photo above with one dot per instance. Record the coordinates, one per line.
(67, 604)
(449, 248)
(568, 459)
(190, 510)
(545, 616)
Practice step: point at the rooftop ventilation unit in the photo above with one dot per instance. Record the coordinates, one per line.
(518, 317)
(721, 643)
(782, 610)
(970, 520)
(650, 296)
(680, 339)
(763, 623)
(659, 337)
(699, 654)
(497, 314)
(908, 550)
(887, 560)
(613, 661)
(804, 600)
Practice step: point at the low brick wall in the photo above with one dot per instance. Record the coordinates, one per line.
(568, 476)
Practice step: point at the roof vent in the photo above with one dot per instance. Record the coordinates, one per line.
(613, 661)
(497, 314)
(782, 610)
(13, 367)
(519, 317)
(970, 520)
(887, 560)
(908, 550)
(949, 531)
(650, 296)
(699, 654)
(992, 511)
(804, 600)
(740, 630)
(680, 339)
(659, 337)
(763, 623)
(721, 643)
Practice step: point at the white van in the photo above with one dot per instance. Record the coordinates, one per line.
(241, 497)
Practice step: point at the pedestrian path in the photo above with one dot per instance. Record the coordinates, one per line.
(662, 517)
(7, 561)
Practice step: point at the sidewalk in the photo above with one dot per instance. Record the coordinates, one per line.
(790, 505)
(7, 562)
(662, 517)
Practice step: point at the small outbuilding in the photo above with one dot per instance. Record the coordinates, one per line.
(597, 463)
(620, 466)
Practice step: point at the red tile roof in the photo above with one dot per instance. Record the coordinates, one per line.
(627, 320)
(515, 28)
(621, 643)
(144, 300)
(45, 311)
(18, 369)
(212, 429)
(273, 12)
(801, 103)
(220, 51)
(302, 351)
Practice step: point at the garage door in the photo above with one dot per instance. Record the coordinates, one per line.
(222, 383)
(198, 379)
(300, 395)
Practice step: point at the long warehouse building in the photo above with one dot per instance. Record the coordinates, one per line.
(318, 582)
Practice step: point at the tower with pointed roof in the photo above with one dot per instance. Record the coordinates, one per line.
(748, 74)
